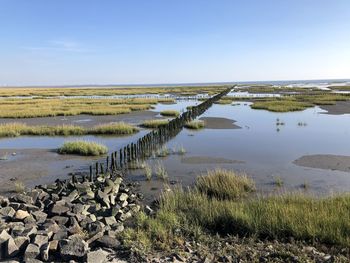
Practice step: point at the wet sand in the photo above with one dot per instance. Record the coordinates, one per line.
(36, 166)
(219, 123)
(340, 108)
(207, 160)
(86, 120)
(325, 161)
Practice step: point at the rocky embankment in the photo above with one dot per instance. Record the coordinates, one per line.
(67, 220)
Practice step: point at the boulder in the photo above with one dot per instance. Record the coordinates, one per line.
(21, 243)
(123, 197)
(39, 216)
(58, 209)
(32, 251)
(7, 211)
(100, 256)
(108, 241)
(11, 249)
(22, 198)
(40, 240)
(74, 248)
(21, 214)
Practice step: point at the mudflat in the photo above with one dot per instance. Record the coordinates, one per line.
(325, 161)
(207, 159)
(340, 108)
(219, 123)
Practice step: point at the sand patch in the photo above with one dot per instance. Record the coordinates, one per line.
(340, 108)
(219, 123)
(325, 161)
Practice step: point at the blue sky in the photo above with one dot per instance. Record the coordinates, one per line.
(61, 42)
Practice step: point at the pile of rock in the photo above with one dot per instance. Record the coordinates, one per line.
(67, 220)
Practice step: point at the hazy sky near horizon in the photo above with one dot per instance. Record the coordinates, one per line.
(61, 42)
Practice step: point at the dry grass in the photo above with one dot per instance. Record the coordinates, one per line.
(85, 148)
(170, 113)
(17, 129)
(154, 123)
(195, 125)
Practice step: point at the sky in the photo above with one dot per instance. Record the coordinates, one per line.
(70, 42)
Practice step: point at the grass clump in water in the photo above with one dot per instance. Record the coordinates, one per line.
(170, 113)
(85, 148)
(195, 125)
(224, 184)
(15, 129)
(161, 172)
(154, 123)
(148, 171)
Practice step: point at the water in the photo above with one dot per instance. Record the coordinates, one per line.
(265, 152)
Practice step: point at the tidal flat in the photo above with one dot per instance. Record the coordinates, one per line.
(303, 151)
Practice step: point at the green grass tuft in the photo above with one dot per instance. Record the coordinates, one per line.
(170, 113)
(195, 125)
(85, 148)
(154, 123)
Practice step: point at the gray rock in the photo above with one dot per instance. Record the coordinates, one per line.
(21, 243)
(60, 235)
(40, 240)
(7, 211)
(60, 220)
(107, 241)
(22, 198)
(95, 237)
(11, 249)
(75, 248)
(59, 209)
(110, 220)
(4, 236)
(44, 252)
(17, 230)
(32, 251)
(39, 216)
(100, 256)
(32, 260)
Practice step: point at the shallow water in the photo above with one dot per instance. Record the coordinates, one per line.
(265, 152)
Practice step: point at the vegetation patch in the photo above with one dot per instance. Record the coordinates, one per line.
(195, 125)
(17, 129)
(196, 215)
(85, 148)
(170, 113)
(154, 123)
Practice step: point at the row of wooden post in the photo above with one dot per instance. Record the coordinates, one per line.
(144, 146)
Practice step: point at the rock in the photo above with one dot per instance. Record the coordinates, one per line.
(7, 211)
(40, 240)
(11, 249)
(110, 220)
(17, 230)
(97, 256)
(21, 214)
(30, 231)
(44, 252)
(22, 198)
(29, 220)
(108, 241)
(123, 197)
(32, 260)
(103, 199)
(95, 237)
(4, 236)
(148, 210)
(75, 248)
(32, 251)
(39, 216)
(62, 234)
(59, 209)
(60, 220)
(21, 243)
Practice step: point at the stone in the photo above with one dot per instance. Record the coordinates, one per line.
(108, 241)
(103, 198)
(53, 245)
(44, 252)
(32, 260)
(22, 198)
(39, 216)
(59, 209)
(95, 227)
(123, 197)
(21, 214)
(32, 251)
(100, 256)
(17, 230)
(75, 248)
(95, 237)
(60, 220)
(7, 211)
(40, 240)
(30, 231)
(29, 220)
(110, 220)
(11, 249)
(62, 234)
(4, 236)
(21, 243)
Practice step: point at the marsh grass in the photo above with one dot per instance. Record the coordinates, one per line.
(195, 125)
(4, 157)
(148, 171)
(170, 113)
(154, 123)
(15, 129)
(193, 214)
(85, 148)
(161, 171)
(278, 181)
(19, 187)
(163, 151)
(179, 150)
